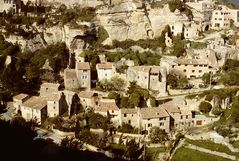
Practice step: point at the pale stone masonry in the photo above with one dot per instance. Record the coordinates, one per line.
(188, 67)
(78, 78)
(10, 5)
(148, 77)
(35, 108)
(47, 89)
(155, 116)
(105, 70)
(88, 99)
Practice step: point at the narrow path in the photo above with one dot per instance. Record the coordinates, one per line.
(220, 154)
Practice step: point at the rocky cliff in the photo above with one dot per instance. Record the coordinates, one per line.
(129, 20)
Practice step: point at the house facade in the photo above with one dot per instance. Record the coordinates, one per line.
(180, 117)
(78, 78)
(105, 70)
(129, 116)
(35, 108)
(220, 18)
(148, 77)
(10, 5)
(83, 73)
(155, 116)
(18, 100)
(47, 89)
(88, 99)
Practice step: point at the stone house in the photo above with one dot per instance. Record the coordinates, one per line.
(148, 77)
(18, 100)
(47, 89)
(191, 30)
(221, 18)
(179, 118)
(78, 78)
(176, 28)
(10, 5)
(70, 79)
(105, 70)
(129, 116)
(190, 67)
(154, 116)
(222, 15)
(88, 99)
(108, 107)
(83, 73)
(35, 108)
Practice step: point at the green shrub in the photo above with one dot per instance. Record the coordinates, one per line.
(205, 107)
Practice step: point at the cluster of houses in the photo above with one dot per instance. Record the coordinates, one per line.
(53, 102)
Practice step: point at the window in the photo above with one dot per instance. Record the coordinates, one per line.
(129, 121)
(215, 18)
(181, 117)
(193, 71)
(112, 111)
(195, 65)
(125, 115)
(216, 13)
(172, 27)
(132, 115)
(148, 119)
(184, 70)
(54, 107)
(106, 74)
(186, 116)
(179, 64)
(161, 118)
(205, 65)
(161, 124)
(145, 77)
(200, 71)
(200, 65)
(149, 125)
(84, 71)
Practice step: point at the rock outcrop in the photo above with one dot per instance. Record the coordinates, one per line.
(129, 20)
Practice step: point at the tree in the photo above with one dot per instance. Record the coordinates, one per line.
(172, 80)
(127, 128)
(157, 135)
(71, 143)
(118, 83)
(183, 82)
(153, 102)
(96, 121)
(133, 150)
(205, 107)
(206, 78)
(134, 99)
(76, 106)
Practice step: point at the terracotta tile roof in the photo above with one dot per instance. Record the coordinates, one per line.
(53, 97)
(21, 96)
(151, 69)
(191, 61)
(107, 65)
(106, 104)
(70, 74)
(83, 65)
(50, 85)
(87, 94)
(153, 112)
(36, 102)
(129, 111)
(171, 107)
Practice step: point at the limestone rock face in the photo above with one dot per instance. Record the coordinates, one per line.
(48, 36)
(128, 21)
